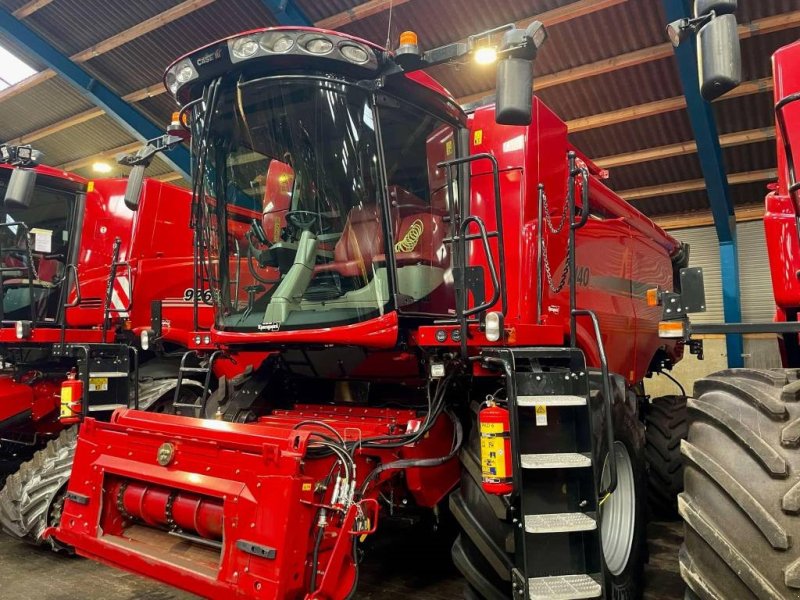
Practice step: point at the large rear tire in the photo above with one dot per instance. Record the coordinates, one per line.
(32, 497)
(666, 423)
(742, 497)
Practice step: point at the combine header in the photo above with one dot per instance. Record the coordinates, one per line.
(455, 312)
(79, 273)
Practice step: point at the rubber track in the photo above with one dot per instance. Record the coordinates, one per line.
(666, 425)
(741, 503)
(25, 499)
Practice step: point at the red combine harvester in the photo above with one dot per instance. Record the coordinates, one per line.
(742, 498)
(436, 292)
(79, 273)
(783, 204)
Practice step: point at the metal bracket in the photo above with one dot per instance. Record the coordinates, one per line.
(256, 549)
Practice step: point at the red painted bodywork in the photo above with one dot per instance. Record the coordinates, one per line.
(782, 211)
(260, 474)
(157, 243)
(260, 478)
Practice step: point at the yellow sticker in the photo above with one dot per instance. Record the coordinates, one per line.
(448, 148)
(477, 137)
(490, 428)
(98, 384)
(306, 487)
(90, 186)
(493, 460)
(541, 415)
(277, 233)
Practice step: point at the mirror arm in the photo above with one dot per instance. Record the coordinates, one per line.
(147, 153)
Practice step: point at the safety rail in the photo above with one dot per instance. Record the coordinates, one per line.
(71, 268)
(780, 118)
(461, 220)
(112, 276)
(570, 261)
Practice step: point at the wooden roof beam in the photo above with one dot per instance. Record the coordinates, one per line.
(27, 9)
(140, 29)
(106, 155)
(728, 140)
(682, 187)
(659, 107)
(83, 117)
(705, 219)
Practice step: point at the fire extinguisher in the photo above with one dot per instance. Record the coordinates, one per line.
(71, 399)
(494, 427)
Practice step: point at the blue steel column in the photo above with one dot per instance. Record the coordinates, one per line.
(710, 154)
(115, 107)
(286, 12)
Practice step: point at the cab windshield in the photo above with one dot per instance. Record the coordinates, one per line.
(34, 252)
(295, 231)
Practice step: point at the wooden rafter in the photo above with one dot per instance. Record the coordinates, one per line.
(681, 187)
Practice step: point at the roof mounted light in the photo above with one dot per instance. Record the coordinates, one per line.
(277, 42)
(318, 45)
(244, 48)
(354, 53)
(180, 74)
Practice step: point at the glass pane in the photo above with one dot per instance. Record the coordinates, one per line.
(37, 260)
(414, 143)
(293, 180)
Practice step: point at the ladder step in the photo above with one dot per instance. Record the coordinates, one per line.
(560, 523)
(564, 460)
(564, 587)
(109, 374)
(556, 400)
(194, 369)
(105, 407)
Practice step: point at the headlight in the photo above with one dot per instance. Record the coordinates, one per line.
(276, 42)
(197, 340)
(185, 73)
(172, 82)
(244, 48)
(494, 326)
(146, 338)
(22, 329)
(319, 45)
(354, 54)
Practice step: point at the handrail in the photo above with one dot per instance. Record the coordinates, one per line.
(610, 437)
(492, 271)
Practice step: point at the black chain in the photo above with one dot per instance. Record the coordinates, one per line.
(30, 255)
(555, 231)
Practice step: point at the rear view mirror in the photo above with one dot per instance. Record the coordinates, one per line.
(719, 58)
(514, 100)
(703, 8)
(133, 188)
(514, 92)
(19, 192)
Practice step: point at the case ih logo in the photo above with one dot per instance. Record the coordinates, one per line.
(210, 57)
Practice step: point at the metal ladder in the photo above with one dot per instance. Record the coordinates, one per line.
(555, 502)
(198, 407)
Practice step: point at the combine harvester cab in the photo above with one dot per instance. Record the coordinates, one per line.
(79, 274)
(783, 203)
(436, 292)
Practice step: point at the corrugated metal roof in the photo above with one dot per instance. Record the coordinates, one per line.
(95, 136)
(53, 101)
(74, 25)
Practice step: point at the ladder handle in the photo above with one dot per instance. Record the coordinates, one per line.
(610, 437)
(489, 261)
(584, 173)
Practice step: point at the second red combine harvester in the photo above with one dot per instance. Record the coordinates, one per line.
(79, 273)
(436, 291)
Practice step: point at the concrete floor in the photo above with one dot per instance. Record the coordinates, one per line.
(28, 573)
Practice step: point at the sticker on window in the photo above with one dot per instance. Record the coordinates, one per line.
(42, 240)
